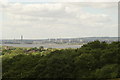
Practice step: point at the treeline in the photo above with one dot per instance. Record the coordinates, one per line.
(94, 60)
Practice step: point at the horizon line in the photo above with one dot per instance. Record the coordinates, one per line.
(54, 38)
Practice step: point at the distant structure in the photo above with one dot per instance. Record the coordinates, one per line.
(21, 38)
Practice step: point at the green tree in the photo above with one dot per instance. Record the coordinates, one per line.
(108, 71)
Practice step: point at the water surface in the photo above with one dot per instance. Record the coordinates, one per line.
(44, 45)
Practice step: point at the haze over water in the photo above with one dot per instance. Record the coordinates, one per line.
(44, 45)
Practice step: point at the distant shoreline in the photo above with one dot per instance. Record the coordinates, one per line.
(44, 45)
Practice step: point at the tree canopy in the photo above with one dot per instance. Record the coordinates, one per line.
(93, 60)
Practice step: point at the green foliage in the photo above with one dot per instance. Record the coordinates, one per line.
(107, 71)
(93, 60)
(85, 64)
(17, 51)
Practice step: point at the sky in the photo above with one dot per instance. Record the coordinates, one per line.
(41, 20)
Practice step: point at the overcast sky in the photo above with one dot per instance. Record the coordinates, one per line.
(59, 20)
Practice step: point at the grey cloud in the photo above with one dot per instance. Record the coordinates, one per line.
(56, 20)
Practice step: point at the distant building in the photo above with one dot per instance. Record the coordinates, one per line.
(21, 38)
